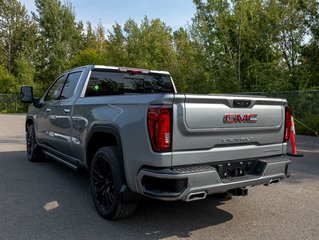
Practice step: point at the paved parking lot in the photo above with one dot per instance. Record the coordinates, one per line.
(289, 210)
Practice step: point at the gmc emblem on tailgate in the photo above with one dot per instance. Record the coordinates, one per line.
(240, 118)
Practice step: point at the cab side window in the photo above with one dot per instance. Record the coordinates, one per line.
(55, 90)
(63, 89)
(70, 85)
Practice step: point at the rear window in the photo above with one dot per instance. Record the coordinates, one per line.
(106, 82)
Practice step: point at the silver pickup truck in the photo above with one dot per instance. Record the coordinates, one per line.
(137, 136)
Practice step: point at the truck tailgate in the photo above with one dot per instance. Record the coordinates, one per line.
(211, 128)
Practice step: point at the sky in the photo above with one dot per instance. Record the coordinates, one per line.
(175, 13)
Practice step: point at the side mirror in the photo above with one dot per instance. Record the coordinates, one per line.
(26, 94)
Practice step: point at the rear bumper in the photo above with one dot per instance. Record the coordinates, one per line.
(179, 183)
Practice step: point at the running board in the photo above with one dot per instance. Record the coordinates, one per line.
(60, 160)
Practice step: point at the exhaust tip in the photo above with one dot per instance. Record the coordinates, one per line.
(275, 180)
(196, 196)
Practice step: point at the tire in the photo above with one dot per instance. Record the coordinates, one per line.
(106, 181)
(33, 150)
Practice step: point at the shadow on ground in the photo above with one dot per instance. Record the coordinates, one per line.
(26, 187)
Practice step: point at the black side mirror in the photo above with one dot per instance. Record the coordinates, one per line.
(26, 94)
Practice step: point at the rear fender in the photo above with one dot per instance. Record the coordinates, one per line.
(110, 130)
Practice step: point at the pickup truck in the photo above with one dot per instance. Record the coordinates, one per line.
(137, 136)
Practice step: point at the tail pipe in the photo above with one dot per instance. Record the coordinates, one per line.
(272, 181)
(196, 196)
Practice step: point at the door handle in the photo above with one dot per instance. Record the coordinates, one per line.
(48, 110)
(66, 110)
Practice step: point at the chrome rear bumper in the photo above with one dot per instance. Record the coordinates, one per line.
(179, 183)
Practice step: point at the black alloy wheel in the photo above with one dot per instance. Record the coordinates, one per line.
(33, 150)
(106, 182)
(103, 184)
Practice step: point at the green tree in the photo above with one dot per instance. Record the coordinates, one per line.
(94, 49)
(189, 70)
(87, 57)
(100, 38)
(17, 33)
(214, 28)
(80, 36)
(291, 34)
(252, 45)
(310, 51)
(8, 82)
(149, 45)
(90, 38)
(59, 37)
(118, 55)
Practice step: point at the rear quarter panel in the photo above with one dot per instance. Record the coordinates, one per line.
(128, 114)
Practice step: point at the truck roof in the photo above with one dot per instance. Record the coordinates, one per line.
(120, 68)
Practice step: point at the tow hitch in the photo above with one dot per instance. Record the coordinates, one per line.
(239, 191)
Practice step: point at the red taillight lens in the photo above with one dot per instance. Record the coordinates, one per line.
(287, 124)
(159, 120)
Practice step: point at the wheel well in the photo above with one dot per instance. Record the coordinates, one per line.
(98, 140)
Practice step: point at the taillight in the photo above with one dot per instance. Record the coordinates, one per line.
(287, 124)
(159, 120)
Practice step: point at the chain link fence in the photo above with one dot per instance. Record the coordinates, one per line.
(304, 105)
(9, 103)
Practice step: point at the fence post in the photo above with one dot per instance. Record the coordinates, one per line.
(16, 103)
